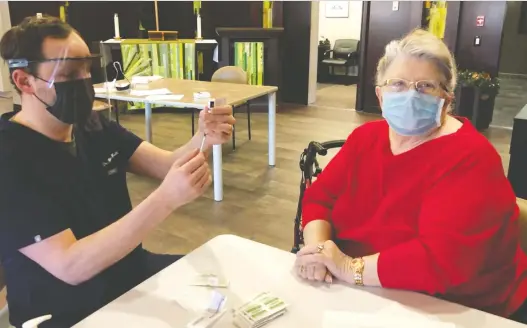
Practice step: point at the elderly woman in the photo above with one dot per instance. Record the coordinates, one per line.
(417, 201)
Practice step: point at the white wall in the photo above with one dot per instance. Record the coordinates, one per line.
(313, 53)
(5, 25)
(340, 28)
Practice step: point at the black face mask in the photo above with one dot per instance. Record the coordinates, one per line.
(74, 101)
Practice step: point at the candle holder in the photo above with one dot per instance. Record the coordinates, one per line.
(117, 33)
(198, 26)
(162, 35)
(158, 35)
(197, 12)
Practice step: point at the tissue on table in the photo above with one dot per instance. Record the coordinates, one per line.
(202, 95)
(149, 92)
(145, 79)
(212, 313)
(107, 87)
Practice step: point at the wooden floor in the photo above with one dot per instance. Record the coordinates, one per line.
(336, 95)
(259, 201)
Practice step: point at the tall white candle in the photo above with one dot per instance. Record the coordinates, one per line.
(116, 26)
(198, 35)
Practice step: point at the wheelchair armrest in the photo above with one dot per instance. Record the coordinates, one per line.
(327, 52)
(333, 144)
(309, 159)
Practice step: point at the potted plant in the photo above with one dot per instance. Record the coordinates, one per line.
(324, 42)
(323, 46)
(476, 91)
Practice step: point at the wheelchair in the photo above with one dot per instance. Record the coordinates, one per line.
(310, 169)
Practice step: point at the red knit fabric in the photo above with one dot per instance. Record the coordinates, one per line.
(443, 216)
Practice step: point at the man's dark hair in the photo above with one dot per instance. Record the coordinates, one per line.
(25, 40)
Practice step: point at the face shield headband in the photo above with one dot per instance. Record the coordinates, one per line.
(73, 101)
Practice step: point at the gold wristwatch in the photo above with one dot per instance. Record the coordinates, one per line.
(357, 266)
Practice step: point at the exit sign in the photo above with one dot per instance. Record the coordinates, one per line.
(480, 21)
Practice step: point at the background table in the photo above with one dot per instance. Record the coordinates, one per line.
(166, 300)
(233, 93)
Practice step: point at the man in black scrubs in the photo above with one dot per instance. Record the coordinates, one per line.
(70, 241)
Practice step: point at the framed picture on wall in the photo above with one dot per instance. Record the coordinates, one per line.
(337, 9)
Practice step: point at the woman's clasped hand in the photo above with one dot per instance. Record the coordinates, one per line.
(322, 262)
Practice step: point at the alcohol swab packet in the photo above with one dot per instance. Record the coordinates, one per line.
(210, 280)
(213, 312)
(259, 311)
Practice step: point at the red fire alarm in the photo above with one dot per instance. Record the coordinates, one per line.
(480, 21)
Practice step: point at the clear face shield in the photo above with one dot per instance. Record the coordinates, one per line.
(64, 85)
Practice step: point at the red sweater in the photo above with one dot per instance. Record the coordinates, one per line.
(442, 216)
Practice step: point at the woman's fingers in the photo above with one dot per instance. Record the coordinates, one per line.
(300, 270)
(328, 277)
(310, 272)
(308, 259)
(308, 269)
(320, 272)
(308, 249)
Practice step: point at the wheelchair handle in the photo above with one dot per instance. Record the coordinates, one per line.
(319, 148)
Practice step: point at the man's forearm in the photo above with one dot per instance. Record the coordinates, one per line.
(90, 255)
(317, 231)
(194, 143)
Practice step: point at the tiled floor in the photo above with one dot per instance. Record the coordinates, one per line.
(511, 99)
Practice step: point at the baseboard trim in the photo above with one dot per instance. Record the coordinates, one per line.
(512, 76)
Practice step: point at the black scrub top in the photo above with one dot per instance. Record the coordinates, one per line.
(45, 188)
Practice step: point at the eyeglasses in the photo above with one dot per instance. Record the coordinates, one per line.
(424, 86)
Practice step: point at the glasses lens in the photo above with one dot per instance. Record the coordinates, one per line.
(428, 87)
(397, 85)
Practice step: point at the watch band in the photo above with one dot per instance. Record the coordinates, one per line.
(358, 271)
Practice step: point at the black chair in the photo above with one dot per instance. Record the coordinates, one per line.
(345, 53)
(310, 169)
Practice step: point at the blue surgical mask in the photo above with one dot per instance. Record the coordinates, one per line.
(411, 113)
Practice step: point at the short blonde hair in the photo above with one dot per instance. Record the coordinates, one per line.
(420, 44)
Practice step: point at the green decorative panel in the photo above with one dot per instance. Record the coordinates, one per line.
(249, 56)
(170, 59)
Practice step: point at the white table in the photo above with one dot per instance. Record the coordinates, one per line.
(166, 300)
(233, 93)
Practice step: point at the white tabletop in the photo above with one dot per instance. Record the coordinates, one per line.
(166, 300)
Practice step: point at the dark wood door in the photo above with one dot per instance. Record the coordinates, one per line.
(380, 25)
(296, 49)
(486, 56)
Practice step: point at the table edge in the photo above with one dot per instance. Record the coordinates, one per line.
(178, 103)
